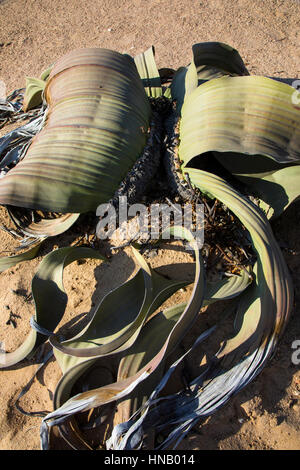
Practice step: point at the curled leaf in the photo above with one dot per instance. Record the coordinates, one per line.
(49, 297)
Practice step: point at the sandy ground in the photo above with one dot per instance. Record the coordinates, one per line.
(33, 34)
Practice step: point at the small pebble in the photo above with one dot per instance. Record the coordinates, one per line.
(152, 254)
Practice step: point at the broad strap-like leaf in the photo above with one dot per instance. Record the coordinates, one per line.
(147, 69)
(276, 190)
(263, 310)
(120, 316)
(265, 306)
(45, 74)
(96, 128)
(227, 288)
(120, 389)
(157, 413)
(49, 297)
(251, 115)
(273, 280)
(154, 332)
(7, 262)
(33, 93)
(210, 60)
(114, 327)
(275, 184)
(46, 227)
(34, 89)
(213, 58)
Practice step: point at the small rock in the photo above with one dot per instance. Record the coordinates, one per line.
(152, 254)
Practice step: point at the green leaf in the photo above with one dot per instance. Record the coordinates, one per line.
(213, 58)
(226, 289)
(265, 306)
(276, 184)
(33, 96)
(251, 115)
(277, 190)
(45, 74)
(96, 128)
(147, 69)
(152, 336)
(210, 60)
(149, 343)
(10, 261)
(119, 317)
(49, 297)
(183, 84)
(120, 389)
(46, 227)
(257, 166)
(262, 312)
(177, 88)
